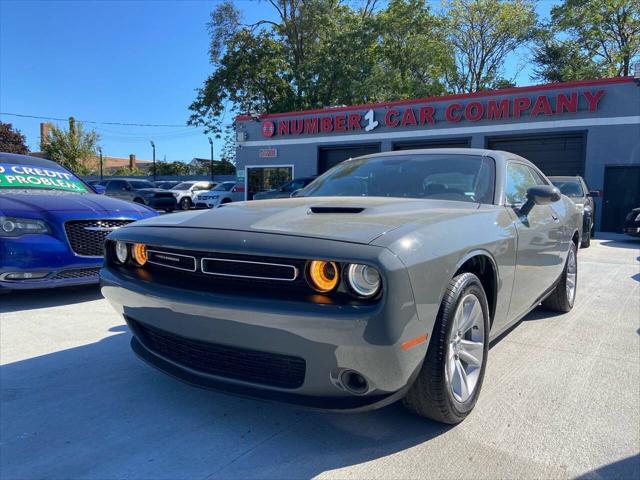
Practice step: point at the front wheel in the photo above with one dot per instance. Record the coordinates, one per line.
(185, 204)
(564, 293)
(449, 383)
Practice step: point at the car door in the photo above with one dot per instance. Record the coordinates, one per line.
(117, 189)
(539, 259)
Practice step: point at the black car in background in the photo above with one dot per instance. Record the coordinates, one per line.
(166, 184)
(141, 191)
(576, 189)
(285, 191)
(631, 224)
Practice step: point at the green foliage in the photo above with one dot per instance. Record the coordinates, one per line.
(72, 148)
(170, 168)
(320, 53)
(589, 39)
(127, 172)
(607, 31)
(12, 140)
(220, 167)
(482, 33)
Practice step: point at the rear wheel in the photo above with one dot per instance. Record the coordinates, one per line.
(564, 294)
(449, 383)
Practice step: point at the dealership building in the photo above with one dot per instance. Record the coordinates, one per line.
(587, 128)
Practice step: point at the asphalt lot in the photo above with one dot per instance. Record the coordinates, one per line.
(561, 398)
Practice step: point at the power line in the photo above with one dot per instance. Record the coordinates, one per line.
(98, 123)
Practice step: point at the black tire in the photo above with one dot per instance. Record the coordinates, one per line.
(560, 300)
(430, 396)
(169, 210)
(586, 236)
(226, 200)
(185, 204)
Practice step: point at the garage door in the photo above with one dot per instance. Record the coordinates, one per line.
(449, 143)
(331, 156)
(553, 154)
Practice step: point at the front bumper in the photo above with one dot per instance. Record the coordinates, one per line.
(163, 203)
(47, 254)
(331, 339)
(633, 231)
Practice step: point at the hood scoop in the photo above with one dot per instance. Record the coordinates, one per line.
(336, 209)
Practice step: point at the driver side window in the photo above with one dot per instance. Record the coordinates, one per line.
(519, 180)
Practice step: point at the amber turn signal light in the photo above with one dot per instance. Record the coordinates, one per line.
(139, 253)
(323, 276)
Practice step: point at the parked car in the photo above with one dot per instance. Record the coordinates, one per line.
(385, 279)
(632, 223)
(185, 191)
(53, 225)
(166, 184)
(226, 192)
(285, 190)
(576, 189)
(141, 191)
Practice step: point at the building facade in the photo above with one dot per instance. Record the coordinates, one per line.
(587, 128)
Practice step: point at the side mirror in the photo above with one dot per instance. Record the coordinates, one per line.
(295, 193)
(540, 195)
(593, 194)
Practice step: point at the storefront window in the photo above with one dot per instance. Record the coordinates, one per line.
(261, 179)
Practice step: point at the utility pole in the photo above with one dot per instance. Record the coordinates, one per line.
(153, 146)
(100, 151)
(211, 166)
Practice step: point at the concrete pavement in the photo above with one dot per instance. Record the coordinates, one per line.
(561, 398)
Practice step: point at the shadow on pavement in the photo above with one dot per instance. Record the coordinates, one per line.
(622, 243)
(96, 411)
(626, 468)
(19, 300)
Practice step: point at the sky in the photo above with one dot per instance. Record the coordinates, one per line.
(122, 61)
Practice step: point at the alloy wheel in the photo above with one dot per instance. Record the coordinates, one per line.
(465, 350)
(572, 276)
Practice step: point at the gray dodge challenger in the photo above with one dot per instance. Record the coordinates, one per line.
(384, 279)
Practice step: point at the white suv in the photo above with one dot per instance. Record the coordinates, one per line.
(224, 193)
(185, 192)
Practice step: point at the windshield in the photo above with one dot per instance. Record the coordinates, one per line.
(224, 187)
(20, 177)
(138, 184)
(467, 178)
(183, 186)
(570, 188)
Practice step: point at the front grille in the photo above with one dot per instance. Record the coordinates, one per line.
(163, 195)
(249, 269)
(253, 366)
(86, 237)
(77, 273)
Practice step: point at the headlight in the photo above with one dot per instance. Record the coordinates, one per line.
(213, 197)
(363, 279)
(176, 194)
(122, 252)
(323, 276)
(15, 227)
(139, 253)
(637, 218)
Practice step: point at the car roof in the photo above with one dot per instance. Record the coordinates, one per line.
(28, 160)
(131, 179)
(564, 177)
(497, 155)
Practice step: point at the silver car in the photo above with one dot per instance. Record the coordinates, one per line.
(385, 279)
(226, 192)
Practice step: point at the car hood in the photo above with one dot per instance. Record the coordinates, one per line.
(351, 219)
(28, 202)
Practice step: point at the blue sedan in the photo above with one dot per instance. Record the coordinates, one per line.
(53, 225)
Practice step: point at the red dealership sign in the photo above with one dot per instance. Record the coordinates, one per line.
(426, 115)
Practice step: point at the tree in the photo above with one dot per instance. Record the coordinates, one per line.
(482, 34)
(171, 168)
(563, 61)
(12, 140)
(320, 53)
(606, 33)
(72, 148)
(127, 172)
